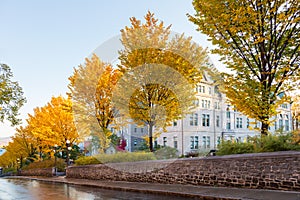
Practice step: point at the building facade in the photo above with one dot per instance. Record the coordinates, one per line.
(213, 120)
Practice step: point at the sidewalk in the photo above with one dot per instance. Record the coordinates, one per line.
(201, 192)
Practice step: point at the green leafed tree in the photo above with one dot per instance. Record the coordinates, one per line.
(258, 40)
(11, 96)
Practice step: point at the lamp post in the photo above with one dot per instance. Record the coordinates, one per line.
(55, 159)
(18, 162)
(68, 143)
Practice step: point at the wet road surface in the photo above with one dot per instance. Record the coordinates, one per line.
(20, 189)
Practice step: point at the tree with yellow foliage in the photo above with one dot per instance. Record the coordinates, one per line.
(259, 42)
(91, 87)
(19, 150)
(53, 124)
(160, 71)
(296, 112)
(296, 117)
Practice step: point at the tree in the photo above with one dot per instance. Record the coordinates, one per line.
(259, 42)
(27, 143)
(159, 74)
(296, 112)
(19, 151)
(11, 96)
(53, 124)
(91, 87)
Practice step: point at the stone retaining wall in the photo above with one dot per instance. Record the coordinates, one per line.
(278, 170)
(37, 172)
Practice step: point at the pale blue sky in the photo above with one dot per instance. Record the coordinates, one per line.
(42, 41)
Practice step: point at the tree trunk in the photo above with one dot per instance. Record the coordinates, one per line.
(264, 128)
(150, 137)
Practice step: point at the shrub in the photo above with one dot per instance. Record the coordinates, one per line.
(229, 147)
(8, 170)
(166, 153)
(279, 142)
(87, 160)
(60, 164)
(270, 143)
(125, 157)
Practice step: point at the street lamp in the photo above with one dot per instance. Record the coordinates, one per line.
(68, 143)
(18, 164)
(55, 159)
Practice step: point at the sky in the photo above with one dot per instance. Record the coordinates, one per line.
(42, 41)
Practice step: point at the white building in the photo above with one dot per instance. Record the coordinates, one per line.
(213, 120)
(134, 136)
(203, 130)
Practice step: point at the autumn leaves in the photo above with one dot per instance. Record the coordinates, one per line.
(152, 84)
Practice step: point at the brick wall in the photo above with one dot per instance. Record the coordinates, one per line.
(277, 170)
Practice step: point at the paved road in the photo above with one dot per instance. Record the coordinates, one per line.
(24, 189)
(200, 192)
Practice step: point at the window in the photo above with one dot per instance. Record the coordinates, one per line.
(286, 123)
(196, 102)
(284, 106)
(175, 123)
(142, 130)
(206, 142)
(218, 140)
(217, 105)
(239, 122)
(135, 142)
(228, 126)
(205, 120)
(164, 141)
(248, 122)
(135, 129)
(209, 90)
(194, 142)
(228, 114)
(205, 104)
(194, 119)
(201, 88)
(280, 121)
(218, 121)
(175, 142)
